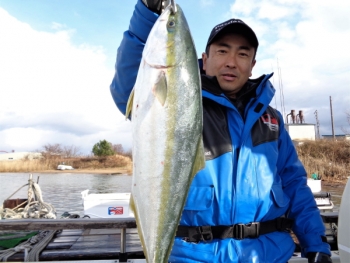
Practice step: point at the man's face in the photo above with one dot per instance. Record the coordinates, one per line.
(231, 60)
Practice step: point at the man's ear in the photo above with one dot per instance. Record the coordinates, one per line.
(251, 70)
(204, 59)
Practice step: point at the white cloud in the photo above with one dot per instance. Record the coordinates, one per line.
(53, 91)
(309, 39)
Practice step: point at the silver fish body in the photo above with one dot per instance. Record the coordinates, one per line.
(166, 108)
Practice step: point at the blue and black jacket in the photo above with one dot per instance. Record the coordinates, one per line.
(252, 171)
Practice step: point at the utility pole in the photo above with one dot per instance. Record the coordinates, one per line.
(330, 101)
(318, 126)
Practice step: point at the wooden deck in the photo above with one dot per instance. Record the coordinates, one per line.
(94, 244)
(83, 239)
(101, 239)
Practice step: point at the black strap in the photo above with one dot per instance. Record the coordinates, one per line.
(238, 231)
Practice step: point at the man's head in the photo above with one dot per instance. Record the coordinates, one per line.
(230, 55)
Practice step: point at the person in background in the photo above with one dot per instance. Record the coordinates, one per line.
(253, 189)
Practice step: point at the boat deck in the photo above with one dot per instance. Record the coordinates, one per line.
(101, 239)
(90, 244)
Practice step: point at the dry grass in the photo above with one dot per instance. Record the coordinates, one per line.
(89, 163)
(329, 159)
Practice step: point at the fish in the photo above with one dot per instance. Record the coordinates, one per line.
(167, 121)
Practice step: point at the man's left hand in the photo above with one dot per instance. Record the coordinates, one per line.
(318, 257)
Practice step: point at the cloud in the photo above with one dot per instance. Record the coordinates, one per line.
(53, 91)
(206, 3)
(307, 40)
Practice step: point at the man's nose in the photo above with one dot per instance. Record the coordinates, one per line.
(231, 61)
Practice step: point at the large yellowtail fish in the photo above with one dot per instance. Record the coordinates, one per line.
(166, 108)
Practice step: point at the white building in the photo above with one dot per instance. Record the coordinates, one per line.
(19, 156)
(301, 131)
(339, 137)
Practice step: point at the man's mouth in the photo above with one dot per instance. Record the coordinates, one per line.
(229, 77)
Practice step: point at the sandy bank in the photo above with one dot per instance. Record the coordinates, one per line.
(90, 171)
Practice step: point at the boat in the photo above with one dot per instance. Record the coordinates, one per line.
(108, 231)
(64, 167)
(113, 205)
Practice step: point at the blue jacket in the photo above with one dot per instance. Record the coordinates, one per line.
(252, 171)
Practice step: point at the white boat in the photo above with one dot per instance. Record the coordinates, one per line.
(114, 205)
(64, 167)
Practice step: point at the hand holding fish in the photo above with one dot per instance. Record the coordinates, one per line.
(154, 5)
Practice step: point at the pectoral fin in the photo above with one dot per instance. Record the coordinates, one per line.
(129, 105)
(160, 88)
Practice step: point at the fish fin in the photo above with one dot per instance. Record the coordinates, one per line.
(160, 88)
(132, 204)
(129, 104)
(133, 209)
(199, 162)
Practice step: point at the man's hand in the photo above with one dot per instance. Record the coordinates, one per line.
(318, 257)
(154, 5)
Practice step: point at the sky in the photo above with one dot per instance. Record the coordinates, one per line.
(57, 61)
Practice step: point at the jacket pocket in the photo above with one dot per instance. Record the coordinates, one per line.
(280, 199)
(199, 198)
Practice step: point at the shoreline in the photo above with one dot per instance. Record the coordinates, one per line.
(105, 171)
(127, 171)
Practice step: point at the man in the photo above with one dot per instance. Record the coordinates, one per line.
(253, 188)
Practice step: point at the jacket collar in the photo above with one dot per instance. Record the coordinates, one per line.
(211, 85)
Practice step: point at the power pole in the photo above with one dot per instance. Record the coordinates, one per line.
(318, 126)
(330, 101)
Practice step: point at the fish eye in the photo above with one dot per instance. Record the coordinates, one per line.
(171, 23)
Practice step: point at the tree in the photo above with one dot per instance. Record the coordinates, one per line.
(346, 130)
(51, 150)
(118, 148)
(70, 151)
(102, 148)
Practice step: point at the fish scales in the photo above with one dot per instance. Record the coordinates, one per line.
(166, 108)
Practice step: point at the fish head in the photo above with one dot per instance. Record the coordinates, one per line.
(167, 43)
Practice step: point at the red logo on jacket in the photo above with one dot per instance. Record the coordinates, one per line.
(270, 121)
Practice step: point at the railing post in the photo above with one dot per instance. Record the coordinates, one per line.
(123, 256)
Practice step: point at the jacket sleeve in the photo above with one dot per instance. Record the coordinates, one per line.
(308, 224)
(129, 54)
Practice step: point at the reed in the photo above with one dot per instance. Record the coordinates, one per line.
(329, 159)
(51, 163)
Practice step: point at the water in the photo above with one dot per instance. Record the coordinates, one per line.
(63, 190)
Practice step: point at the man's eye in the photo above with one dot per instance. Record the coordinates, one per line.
(222, 51)
(244, 54)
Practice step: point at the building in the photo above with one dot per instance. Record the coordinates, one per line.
(299, 130)
(341, 137)
(19, 155)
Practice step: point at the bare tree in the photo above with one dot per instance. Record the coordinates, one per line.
(128, 153)
(70, 151)
(51, 150)
(346, 130)
(118, 148)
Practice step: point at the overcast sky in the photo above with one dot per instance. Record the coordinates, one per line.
(57, 62)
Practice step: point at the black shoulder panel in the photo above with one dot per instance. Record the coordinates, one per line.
(266, 128)
(216, 136)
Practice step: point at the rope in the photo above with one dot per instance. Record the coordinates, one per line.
(33, 255)
(35, 207)
(31, 248)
